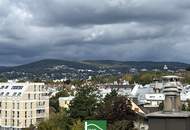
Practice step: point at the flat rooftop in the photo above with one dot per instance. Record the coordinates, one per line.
(182, 114)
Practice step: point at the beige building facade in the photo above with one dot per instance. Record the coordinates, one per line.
(64, 102)
(22, 104)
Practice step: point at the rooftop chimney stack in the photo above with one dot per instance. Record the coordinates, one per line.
(172, 101)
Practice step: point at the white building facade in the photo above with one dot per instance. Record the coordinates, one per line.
(22, 105)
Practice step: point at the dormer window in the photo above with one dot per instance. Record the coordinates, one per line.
(17, 87)
(19, 94)
(14, 94)
(7, 94)
(1, 94)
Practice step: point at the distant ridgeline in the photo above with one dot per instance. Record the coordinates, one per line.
(65, 68)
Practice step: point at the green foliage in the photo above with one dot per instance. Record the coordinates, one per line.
(78, 125)
(3, 79)
(161, 106)
(144, 77)
(116, 108)
(32, 127)
(184, 107)
(59, 121)
(54, 101)
(110, 96)
(117, 111)
(85, 102)
(128, 77)
(121, 125)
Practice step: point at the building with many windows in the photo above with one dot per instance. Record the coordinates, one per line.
(22, 104)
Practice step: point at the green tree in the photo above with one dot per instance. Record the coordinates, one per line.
(59, 121)
(32, 127)
(85, 103)
(78, 125)
(110, 96)
(184, 107)
(128, 77)
(3, 79)
(161, 106)
(116, 108)
(121, 125)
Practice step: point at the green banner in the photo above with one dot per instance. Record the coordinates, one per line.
(95, 125)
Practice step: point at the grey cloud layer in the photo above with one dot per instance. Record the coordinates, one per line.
(88, 29)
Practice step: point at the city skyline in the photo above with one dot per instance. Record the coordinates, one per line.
(103, 29)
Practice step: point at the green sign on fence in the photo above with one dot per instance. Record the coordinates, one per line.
(95, 125)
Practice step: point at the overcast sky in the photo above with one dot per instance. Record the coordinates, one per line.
(157, 30)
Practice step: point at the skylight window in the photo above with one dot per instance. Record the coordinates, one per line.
(19, 94)
(17, 87)
(1, 94)
(2, 87)
(14, 94)
(7, 94)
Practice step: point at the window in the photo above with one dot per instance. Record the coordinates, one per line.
(43, 87)
(25, 122)
(5, 121)
(2, 87)
(13, 105)
(13, 114)
(34, 87)
(25, 105)
(17, 114)
(17, 122)
(5, 113)
(14, 94)
(13, 121)
(1, 93)
(17, 87)
(6, 87)
(39, 88)
(28, 96)
(31, 105)
(17, 105)
(7, 94)
(19, 94)
(34, 96)
(39, 97)
(6, 105)
(40, 111)
(0, 104)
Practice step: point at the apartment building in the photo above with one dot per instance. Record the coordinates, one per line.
(22, 104)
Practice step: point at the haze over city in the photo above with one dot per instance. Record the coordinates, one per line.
(124, 30)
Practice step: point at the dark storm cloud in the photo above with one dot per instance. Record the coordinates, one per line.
(84, 12)
(94, 29)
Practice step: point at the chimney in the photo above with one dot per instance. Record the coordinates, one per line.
(172, 101)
